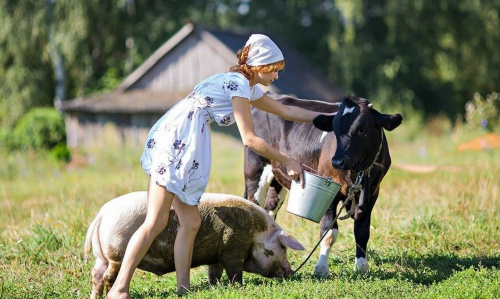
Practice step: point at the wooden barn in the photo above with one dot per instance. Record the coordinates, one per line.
(167, 76)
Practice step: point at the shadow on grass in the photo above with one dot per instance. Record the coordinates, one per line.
(172, 292)
(431, 269)
(420, 270)
(200, 288)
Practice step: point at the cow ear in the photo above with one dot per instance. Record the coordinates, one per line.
(289, 241)
(324, 122)
(389, 121)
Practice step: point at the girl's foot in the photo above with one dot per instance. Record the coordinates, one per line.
(117, 295)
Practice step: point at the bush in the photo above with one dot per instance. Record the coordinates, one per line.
(61, 153)
(40, 128)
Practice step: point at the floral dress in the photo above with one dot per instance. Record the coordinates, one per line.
(178, 153)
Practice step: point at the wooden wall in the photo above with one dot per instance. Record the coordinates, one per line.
(184, 67)
(89, 129)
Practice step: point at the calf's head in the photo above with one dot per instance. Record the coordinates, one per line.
(358, 130)
(268, 255)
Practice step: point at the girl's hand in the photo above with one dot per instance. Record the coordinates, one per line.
(294, 170)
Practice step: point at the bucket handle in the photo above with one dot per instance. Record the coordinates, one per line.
(329, 180)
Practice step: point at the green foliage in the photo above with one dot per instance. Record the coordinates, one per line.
(422, 54)
(25, 72)
(91, 37)
(483, 112)
(39, 129)
(109, 81)
(5, 139)
(61, 152)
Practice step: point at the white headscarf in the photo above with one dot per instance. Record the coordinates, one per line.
(262, 51)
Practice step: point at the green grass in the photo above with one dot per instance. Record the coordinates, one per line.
(434, 234)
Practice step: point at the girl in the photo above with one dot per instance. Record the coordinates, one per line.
(177, 154)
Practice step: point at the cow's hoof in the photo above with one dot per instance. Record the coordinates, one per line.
(321, 271)
(361, 265)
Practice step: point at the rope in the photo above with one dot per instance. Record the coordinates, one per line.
(350, 197)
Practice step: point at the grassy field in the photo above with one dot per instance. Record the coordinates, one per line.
(435, 228)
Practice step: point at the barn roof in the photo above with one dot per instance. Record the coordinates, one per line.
(298, 78)
(132, 101)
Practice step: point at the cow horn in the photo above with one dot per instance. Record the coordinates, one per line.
(370, 105)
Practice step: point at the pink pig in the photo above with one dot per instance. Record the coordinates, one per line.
(236, 235)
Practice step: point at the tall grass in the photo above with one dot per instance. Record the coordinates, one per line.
(435, 230)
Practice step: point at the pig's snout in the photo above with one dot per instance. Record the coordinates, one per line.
(287, 270)
(281, 271)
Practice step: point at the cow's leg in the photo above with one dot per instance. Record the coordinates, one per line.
(362, 235)
(257, 178)
(322, 268)
(283, 195)
(266, 178)
(276, 195)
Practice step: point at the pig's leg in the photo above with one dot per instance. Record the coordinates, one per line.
(215, 273)
(234, 269)
(97, 278)
(235, 276)
(110, 275)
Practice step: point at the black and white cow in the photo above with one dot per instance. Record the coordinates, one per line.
(356, 150)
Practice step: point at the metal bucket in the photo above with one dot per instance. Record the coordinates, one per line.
(312, 202)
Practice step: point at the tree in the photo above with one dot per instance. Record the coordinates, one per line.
(60, 49)
(432, 55)
(24, 67)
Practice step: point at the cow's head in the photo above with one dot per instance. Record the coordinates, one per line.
(358, 129)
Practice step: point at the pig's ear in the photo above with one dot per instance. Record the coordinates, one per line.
(289, 241)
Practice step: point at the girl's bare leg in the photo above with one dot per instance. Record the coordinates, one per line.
(158, 211)
(189, 223)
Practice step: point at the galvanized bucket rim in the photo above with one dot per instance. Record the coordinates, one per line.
(312, 208)
(318, 174)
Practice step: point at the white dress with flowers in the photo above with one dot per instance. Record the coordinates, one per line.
(178, 152)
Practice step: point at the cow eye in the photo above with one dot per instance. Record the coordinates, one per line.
(361, 131)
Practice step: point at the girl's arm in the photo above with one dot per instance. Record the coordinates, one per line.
(244, 120)
(292, 113)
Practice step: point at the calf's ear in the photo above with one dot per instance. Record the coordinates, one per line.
(324, 122)
(389, 121)
(289, 241)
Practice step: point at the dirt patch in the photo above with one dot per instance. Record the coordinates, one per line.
(425, 168)
(485, 142)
